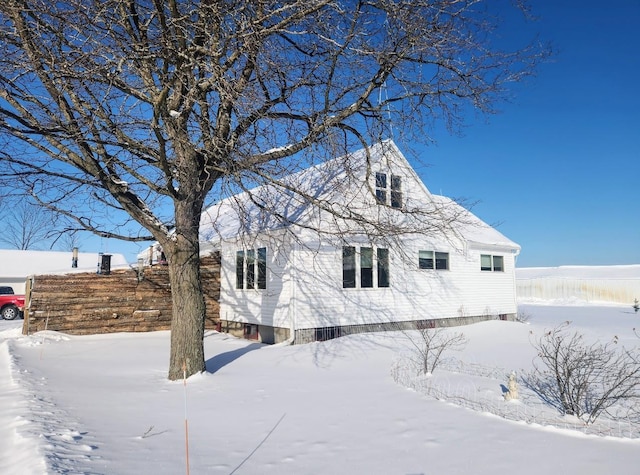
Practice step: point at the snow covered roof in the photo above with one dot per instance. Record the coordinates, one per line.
(473, 229)
(17, 263)
(251, 212)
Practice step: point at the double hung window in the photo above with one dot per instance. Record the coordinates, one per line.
(251, 269)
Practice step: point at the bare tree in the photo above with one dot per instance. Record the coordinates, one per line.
(585, 379)
(26, 225)
(430, 344)
(128, 115)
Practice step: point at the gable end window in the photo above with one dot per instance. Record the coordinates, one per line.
(433, 260)
(389, 192)
(381, 188)
(251, 269)
(491, 263)
(396, 191)
(368, 260)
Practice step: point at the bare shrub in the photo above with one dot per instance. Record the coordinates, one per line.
(430, 344)
(584, 379)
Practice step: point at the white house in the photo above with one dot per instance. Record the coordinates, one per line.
(17, 265)
(367, 248)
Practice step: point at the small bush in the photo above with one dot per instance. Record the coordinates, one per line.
(431, 343)
(581, 379)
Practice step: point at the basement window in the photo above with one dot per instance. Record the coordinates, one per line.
(491, 263)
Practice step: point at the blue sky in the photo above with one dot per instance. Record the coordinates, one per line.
(558, 170)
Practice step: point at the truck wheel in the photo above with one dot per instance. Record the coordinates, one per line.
(10, 312)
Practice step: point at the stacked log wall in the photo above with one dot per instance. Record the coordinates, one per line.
(89, 303)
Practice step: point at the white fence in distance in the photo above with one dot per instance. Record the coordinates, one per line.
(618, 284)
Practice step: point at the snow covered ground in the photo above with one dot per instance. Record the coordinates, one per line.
(102, 405)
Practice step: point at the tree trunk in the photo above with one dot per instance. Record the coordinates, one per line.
(189, 308)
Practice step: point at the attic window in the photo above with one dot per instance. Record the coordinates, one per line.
(491, 263)
(383, 190)
(396, 191)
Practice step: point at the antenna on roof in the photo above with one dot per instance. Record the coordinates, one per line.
(382, 89)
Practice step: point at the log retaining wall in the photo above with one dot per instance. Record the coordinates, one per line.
(89, 303)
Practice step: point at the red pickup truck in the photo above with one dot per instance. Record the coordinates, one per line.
(11, 305)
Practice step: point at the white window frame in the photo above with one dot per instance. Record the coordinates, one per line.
(388, 189)
(493, 265)
(436, 256)
(377, 270)
(249, 269)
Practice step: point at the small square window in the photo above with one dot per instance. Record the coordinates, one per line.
(442, 260)
(433, 260)
(498, 264)
(381, 180)
(425, 259)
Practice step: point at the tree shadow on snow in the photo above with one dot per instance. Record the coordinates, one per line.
(223, 359)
